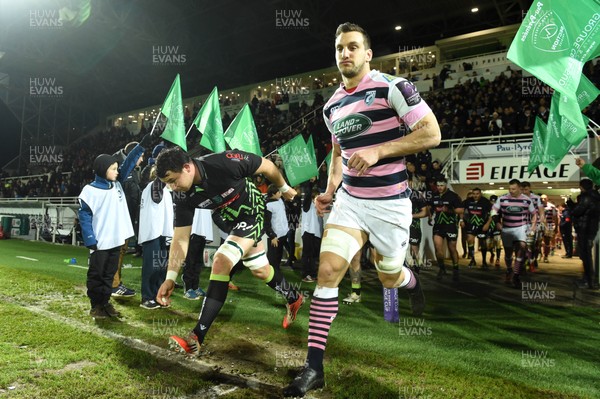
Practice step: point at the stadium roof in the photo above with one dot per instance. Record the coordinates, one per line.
(108, 49)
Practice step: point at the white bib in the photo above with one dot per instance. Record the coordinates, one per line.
(156, 220)
(110, 216)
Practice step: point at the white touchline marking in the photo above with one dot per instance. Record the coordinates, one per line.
(465, 293)
(26, 258)
(85, 267)
(197, 365)
(81, 267)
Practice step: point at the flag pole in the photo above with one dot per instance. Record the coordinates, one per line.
(272, 152)
(594, 128)
(153, 126)
(189, 130)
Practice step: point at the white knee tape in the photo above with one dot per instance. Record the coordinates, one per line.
(256, 261)
(340, 243)
(389, 265)
(231, 250)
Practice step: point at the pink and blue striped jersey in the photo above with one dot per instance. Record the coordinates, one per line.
(537, 203)
(550, 212)
(515, 211)
(376, 112)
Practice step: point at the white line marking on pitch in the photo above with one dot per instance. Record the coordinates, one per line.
(85, 267)
(26, 258)
(466, 293)
(81, 267)
(197, 365)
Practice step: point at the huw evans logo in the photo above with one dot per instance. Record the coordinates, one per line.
(45, 155)
(291, 86)
(44, 87)
(45, 19)
(415, 55)
(290, 19)
(537, 292)
(290, 359)
(533, 87)
(351, 126)
(414, 326)
(168, 55)
(536, 359)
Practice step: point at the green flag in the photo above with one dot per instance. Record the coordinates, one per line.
(556, 145)
(555, 40)
(573, 126)
(536, 157)
(311, 150)
(298, 160)
(209, 123)
(573, 123)
(241, 134)
(172, 109)
(328, 160)
(586, 92)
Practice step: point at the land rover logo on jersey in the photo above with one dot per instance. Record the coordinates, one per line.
(351, 126)
(514, 209)
(549, 34)
(370, 97)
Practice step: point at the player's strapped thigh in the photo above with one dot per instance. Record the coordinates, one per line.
(256, 260)
(340, 242)
(231, 250)
(390, 265)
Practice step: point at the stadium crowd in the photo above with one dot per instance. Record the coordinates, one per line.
(475, 108)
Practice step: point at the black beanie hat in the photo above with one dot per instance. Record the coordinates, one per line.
(102, 163)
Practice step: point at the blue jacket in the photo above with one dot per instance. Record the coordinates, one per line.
(85, 213)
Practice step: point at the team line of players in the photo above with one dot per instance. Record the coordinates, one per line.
(519, 220)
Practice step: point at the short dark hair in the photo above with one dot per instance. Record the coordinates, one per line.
(171, 159)
(350, 27)
(524, 184)
(272, 190)
(586, 184)
(441, 180)
(516, 181)
(476, 189)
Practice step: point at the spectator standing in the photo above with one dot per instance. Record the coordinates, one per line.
(156, 226)
(585, 218)
(105, 225)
